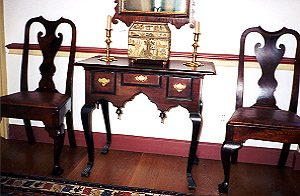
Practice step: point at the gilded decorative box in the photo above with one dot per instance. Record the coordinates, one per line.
(149, 41)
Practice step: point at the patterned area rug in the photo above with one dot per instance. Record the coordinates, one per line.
(16, 184)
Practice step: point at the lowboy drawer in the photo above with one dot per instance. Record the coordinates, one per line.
(103, 82)
(179, 88)
(141, 80)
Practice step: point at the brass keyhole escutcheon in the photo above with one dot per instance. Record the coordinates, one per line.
(103, 81)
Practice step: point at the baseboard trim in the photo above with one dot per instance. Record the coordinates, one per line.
(247, 154)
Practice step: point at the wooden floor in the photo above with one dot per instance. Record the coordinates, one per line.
(149, 170)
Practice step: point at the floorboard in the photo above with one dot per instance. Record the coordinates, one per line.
(149, 170)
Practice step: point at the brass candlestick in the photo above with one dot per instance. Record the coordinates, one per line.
(108, 58)
(194, 62)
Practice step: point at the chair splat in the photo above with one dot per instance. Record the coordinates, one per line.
(269, 57)
(49, 45)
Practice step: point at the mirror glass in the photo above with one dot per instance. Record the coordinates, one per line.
(157, 6)
(175, 12)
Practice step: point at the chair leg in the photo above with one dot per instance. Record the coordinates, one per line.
(228, 150)
(70, 129)
(58, 135)
(234, 157)
(283, 155)
(58, 145)
(29, 132)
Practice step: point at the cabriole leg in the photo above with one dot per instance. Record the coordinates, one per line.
(86, 122)
(196, 119)
(104, 105)
(234, 156)
(228, 150)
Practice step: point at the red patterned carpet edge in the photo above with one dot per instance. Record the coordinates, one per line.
(18, 184)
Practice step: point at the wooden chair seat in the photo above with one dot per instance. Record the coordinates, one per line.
(46, 103)
(260, 117)
(32, 103)
(255, 123)
(36, 99)
(264, 120)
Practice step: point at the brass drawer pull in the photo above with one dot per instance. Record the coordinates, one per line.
(103, 81)
(141, 78)
(179, 87)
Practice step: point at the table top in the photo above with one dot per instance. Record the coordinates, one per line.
(175, 67)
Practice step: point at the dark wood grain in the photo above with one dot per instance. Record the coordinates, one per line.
(127, 90)
(159, 171)
(167, 86)
(45, 103)
(263, 120)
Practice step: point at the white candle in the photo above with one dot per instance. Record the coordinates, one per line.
(108, 22)
(197, 27)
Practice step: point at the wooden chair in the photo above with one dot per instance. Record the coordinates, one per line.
(45, 103)
(264, 120)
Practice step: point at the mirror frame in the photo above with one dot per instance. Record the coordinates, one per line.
(176, 19)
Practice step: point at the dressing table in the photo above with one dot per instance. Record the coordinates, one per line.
(119, 81)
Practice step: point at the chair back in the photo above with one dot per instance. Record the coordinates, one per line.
(269, 56)
(49, 44)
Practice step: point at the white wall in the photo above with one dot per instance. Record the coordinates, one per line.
(222, 23)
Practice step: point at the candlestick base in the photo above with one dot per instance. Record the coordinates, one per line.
(193, 64)
(107, 58)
